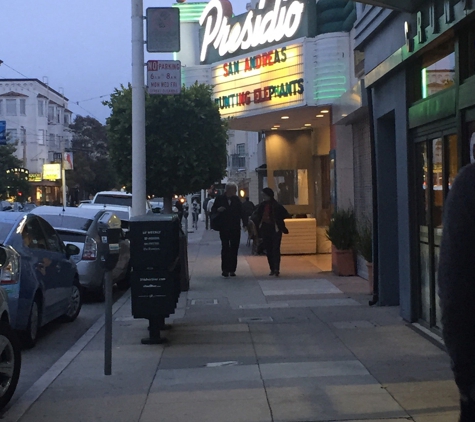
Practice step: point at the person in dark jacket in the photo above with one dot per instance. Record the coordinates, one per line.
(231, 214)
(456, 278)
(269, 219)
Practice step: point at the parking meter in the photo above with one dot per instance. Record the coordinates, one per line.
(109, 227)
(110, 230)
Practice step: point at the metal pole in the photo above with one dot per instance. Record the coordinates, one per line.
(138, 111)
(108, 323)
(63, 179)
(189, 221)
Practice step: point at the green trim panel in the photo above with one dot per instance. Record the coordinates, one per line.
(466, 97)
(436, 107)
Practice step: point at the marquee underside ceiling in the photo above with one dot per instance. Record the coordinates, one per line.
(298, 118)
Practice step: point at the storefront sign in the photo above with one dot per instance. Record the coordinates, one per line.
(265, 81)
(282, 21)
(35, 177)
(51, 172)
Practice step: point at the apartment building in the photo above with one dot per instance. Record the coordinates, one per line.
(37, 121)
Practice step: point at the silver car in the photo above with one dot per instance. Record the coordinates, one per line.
(10, 354)
(79, 227)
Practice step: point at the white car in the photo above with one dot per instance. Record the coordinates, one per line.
(10, 351)
(116, 198)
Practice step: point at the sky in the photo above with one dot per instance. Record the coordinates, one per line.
(81, 46)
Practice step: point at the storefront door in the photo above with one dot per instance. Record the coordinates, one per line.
(436, 168)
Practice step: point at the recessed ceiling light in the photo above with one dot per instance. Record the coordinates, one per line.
(276, 125)
(285, 117)
(320, 115)
(273, 128)
(344, 115)
(308, 124)
(324, 111)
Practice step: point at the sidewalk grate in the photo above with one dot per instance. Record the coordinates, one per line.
(255, 319)
(204, 302)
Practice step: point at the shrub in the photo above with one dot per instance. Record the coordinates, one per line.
(364, 240)
(342, 229)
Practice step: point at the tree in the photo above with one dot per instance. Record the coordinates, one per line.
(93, 171)
(11, 184)
(185, 140)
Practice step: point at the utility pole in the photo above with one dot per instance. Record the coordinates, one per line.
(138, 111)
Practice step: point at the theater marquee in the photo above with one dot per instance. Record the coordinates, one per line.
(262, 82)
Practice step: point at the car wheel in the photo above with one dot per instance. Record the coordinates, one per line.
(10, 362)
(75, 302)
(30, 335)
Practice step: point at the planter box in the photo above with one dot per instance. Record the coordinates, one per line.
(343, 262)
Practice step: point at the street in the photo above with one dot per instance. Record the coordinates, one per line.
(54, 340)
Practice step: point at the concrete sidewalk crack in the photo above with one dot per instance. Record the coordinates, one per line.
(260, 373)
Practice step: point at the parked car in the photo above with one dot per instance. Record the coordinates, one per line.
(10, 353)
(28, 206)
(116, 198)
(39, 275)
(78, 226)
(6, 206)
(124, 212)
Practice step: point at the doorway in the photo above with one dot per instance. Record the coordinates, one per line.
(436, 167)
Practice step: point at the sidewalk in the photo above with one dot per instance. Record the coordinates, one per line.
(302, 347)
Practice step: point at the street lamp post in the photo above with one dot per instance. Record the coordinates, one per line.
(138, 111)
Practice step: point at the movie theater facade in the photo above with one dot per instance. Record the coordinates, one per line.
(274, 73)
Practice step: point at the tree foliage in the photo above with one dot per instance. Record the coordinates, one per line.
(93, 170)
(185, 140)
(11, 184)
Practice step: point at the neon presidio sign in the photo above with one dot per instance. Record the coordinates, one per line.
(260, 27)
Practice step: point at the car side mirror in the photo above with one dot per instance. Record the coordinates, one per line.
(72, 250)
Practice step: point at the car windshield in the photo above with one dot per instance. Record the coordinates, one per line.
(5, 229)
(67, 221)
(114, 200)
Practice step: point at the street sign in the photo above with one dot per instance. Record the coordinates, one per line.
(164, 77)
(163, 29)
(3, 132)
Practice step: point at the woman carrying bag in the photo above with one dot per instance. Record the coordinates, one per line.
(269, 219)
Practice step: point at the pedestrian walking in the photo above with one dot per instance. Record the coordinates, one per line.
(226, 215)
(456, 278)
(179, 207)
(248, 208)
(205, 209)
(269, 219)
(195, 212)
(209, 207)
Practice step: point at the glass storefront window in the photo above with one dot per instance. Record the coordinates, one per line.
(437, 166)
(438, 69)
(292, 186)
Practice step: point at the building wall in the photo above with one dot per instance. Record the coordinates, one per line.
(363, 181)
(36, 148)
(392, 154)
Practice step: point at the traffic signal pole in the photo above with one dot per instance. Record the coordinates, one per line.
(138, 111)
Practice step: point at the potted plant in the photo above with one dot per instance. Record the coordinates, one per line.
(364, 245)
(342, 233)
